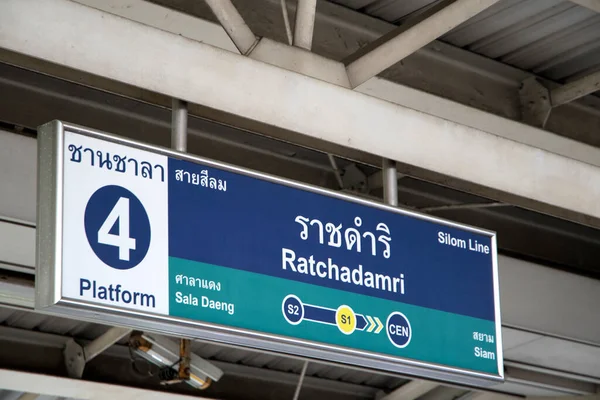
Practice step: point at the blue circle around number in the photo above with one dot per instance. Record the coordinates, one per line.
(293, 310)
(398, 329)
(106, 214)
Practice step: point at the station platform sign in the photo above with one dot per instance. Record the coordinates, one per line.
(142, 236)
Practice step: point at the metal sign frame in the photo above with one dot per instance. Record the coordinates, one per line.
(49, 273)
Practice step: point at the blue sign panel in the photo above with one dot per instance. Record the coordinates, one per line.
(268, 228)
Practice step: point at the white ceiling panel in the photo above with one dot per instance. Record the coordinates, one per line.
(512, 338)
(558, 354)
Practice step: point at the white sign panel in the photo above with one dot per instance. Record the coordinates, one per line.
(106, 202)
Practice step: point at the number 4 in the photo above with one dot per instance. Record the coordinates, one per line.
(120, 213)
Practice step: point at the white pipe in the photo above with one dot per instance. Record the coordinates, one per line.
(234, 24)
(305, 23)
(179, 119)
(390, 182)
(301, 380)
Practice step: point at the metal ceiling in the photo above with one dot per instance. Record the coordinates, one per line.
(57, 330)
(88, 331)
(35, 342)
(554, 39)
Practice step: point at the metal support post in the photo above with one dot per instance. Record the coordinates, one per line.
(286, 22)
(110, 337)
(179, 119)
(301, 380)
(390, 182)
(536, 102)
(305, 23)
(234, 25)
(76, 356)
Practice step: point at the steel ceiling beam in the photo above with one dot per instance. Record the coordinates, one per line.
(160, 62)
(168, 20)
(537, 100)
(488, 396)
(593, 5)
(234, 25)
(551, 383)
(305, 23)
(576, 89)
(536, 103)
(76, 356)
(411, 390)
(409, 37)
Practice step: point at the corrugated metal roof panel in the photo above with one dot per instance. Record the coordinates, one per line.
(504, 17)
(555, 39)
(395, 11)
(532, 48)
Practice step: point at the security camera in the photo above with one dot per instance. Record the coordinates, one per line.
(164, 353)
